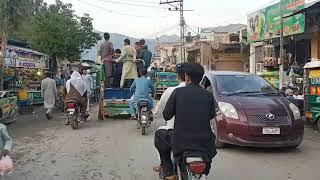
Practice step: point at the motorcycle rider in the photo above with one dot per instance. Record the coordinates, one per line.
(164, 133)
(193, 108)
(77, 91)
(141, 88)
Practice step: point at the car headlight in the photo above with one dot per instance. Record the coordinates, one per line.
(295, 110)
(228, 110)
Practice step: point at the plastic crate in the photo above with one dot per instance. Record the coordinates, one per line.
(117, 93)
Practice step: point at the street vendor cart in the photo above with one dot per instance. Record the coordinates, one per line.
(312, 92)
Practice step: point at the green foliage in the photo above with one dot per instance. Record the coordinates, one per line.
(13, 13)
(56, 30)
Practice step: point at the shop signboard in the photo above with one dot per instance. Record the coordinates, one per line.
(27, 64)
(265, 23)
(256, 25)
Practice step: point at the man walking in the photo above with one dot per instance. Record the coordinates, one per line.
(49, 93)
(106, 54)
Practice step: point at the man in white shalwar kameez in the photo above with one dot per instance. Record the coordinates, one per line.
(49, 93)
(164, 130)
(88, 82)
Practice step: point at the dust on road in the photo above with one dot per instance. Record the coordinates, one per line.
(116, 150)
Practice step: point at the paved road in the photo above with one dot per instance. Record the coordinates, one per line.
(115, 150)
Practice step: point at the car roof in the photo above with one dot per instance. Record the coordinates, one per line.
(228, 73)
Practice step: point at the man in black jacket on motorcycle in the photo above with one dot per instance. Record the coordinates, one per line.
(193, 108)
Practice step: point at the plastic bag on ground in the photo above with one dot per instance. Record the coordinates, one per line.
(6, 165)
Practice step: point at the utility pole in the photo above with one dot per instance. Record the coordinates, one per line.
(281, 80)
(178, 6)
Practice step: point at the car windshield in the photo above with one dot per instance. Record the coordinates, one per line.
(244, 85)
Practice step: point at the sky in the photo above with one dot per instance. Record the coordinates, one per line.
(149, 19)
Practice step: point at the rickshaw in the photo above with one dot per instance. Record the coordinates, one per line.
(312, 93)
(163, 81)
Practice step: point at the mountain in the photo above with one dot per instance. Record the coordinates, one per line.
(117, 40)
(171, 38)
(231, 28)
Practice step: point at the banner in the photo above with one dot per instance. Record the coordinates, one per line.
(265, 23)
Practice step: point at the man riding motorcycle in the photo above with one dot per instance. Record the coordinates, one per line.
(165, 132)
(141, 88)
(193, 108)
(77, 91)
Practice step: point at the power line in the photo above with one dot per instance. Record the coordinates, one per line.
(148, 2)
(112, 11)
(130, 4)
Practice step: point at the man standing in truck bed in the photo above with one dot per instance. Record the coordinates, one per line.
(106, 53)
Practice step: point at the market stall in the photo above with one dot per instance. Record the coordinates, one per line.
(8, 107)
(24, 70)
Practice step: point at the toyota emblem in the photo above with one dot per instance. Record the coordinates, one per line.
(270, 116)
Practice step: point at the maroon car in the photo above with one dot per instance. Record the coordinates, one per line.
(250, 112)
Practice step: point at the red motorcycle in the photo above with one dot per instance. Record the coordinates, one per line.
(74, 115)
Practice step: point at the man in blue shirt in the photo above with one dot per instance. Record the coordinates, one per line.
(141, 88)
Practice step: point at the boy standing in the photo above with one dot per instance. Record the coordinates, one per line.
(5, 140)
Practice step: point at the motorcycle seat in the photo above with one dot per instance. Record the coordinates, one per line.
(143, 103)
(71, 101)
(193, 159)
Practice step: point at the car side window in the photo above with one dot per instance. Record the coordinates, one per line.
(207, 85)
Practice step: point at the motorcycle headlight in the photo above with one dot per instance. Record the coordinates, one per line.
(295, 110)
(228, 110)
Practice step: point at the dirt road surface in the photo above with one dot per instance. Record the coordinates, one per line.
(115, 150)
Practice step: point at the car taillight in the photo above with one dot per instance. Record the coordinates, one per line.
(71, 105)
(197, 167)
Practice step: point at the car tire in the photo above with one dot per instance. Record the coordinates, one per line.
(318, 125)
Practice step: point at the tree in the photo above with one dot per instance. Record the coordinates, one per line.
(12, 14)
(57, 31)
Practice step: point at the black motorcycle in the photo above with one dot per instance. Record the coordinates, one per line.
(144, 116)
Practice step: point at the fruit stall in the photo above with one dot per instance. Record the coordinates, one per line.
(24, 70)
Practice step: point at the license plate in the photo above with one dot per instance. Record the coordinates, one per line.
(71, 110)
(271, 130)
(144, 122)
(143, 117)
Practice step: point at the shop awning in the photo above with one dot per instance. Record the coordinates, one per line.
(312, 64)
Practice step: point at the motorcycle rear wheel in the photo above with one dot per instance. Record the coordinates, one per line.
(74, 123)
(143, 130)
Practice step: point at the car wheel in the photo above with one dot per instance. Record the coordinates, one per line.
(318, 125)
(219, 144)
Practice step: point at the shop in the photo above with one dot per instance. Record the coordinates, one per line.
(263, 35)
(24, 70)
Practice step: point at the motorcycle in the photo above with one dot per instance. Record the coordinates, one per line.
(144, 116)
(74, 117)
(195, 167)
